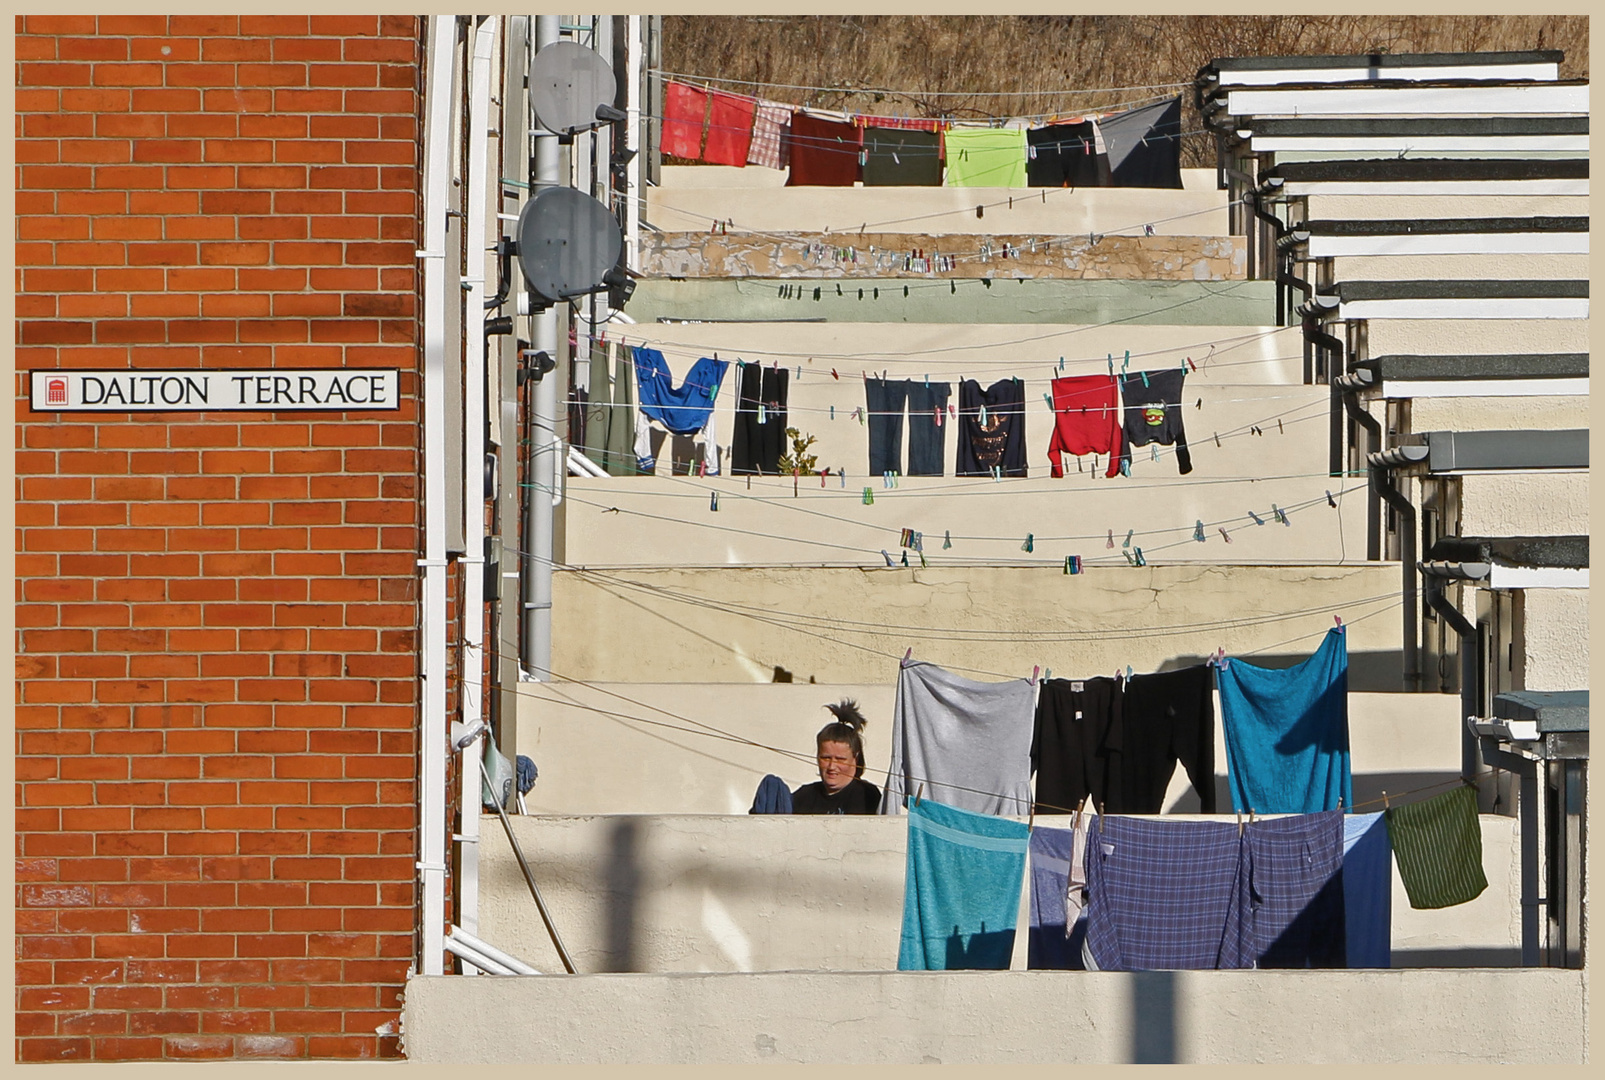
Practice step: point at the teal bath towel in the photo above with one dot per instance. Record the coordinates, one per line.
(961, 891)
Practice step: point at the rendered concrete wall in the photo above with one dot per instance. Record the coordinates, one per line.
(1042, 211)
(1500, 267)
(1417, 207)
(1048, 301)
(1224, 1017)
(1499, 413)
(830, 256)
(1481, 337)
(738, 624)
(1556, 637)
(798, 893)
(671, 748)
(1258, 353)
(1524, 504)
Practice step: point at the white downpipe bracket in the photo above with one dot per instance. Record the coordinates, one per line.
(432, 816)
(480, 235)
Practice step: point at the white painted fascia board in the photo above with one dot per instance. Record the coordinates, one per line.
(1528, 243)
(1473, 308)
(1458, 188)
(1419, 145)
(1536, 577)
(1450, 388)
(1411, 101)
(1285, 76)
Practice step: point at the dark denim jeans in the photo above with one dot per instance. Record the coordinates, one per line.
(885, 400)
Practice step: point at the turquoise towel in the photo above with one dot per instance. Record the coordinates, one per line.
(961, 891)
(1287, 732)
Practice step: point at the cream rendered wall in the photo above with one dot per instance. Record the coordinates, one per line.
(1525, 504)
(1499, 413)
(736, 624)
(988, 1018)
(775, 893)
(1556, 639)
(1444, 337)
(1043, 211)
(1565, 267)
(1417, 207)
(700, 748)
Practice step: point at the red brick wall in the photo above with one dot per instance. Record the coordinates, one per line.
(216, 703)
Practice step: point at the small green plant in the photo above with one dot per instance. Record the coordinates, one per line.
(799, 460)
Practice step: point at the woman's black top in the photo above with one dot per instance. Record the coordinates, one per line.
(858, 797)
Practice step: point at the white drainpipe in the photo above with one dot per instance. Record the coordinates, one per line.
(432, 770)
(481, 251)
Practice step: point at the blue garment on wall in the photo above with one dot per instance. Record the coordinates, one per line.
(961, 889)
(1048, 947)
(1290, 893)
(683, 409)
(772, 797)
(1287, 732)
(1162, 895)
(1368, 891)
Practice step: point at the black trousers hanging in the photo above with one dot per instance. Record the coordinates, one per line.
(756, 448)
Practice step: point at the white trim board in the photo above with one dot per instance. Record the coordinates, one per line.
(1419, 145)
(1411, 101)
(1536, 577)
(1442, 388)
(1543, 72)
(1459, 188)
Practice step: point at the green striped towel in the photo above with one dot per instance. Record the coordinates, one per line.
(1438, 846)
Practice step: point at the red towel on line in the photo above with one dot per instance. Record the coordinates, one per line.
(823, 152)
(729, 129)
(1086, 420)
(684, 109)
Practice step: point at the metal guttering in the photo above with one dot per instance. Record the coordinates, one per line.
(1551, 710)
(1456, 299)
(1326, 238)
(1478, 451)
(1463, 289)
(1379, 466)
(1417, 170)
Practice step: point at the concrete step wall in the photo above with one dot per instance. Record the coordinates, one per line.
(986, 1018)
(1447, 337)
(797, 893)
(849, 626)
(671, 748)
(1418, 207)
(1490, 267)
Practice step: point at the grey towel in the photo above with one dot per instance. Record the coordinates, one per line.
(968, 742)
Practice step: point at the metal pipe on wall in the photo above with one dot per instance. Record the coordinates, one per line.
(1438, 600)
(1380, 464)
(481, 229)
(432, 817)
(543, 465)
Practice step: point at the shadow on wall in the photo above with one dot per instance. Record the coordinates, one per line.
(623, 889)
(1153, 1018)
(1378, 672)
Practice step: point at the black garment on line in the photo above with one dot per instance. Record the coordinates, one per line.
(1064, 155)
(902, 157)
(756, 448)
(1001, 440)
(884, 401)
(1144, 145)
(1152, 414)
(1069, 745)
(1165, 718)
(858, 797)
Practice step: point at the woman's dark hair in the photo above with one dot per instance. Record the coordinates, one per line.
(845, 728)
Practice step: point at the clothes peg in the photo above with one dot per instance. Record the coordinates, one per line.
(1217, 439)
(1111, 541)
(1049, 399)
(1200, 405)
(1124, 364)
(947, 539)
(887, 556)
(1140, 560)
(1257, 519)
(1239, 814)
(982, 418)
(842, 475)
(997, 474)
(1111, 365)
(1129, 534)
(869, 496)
(1035, 671)
(1280, 430)
(1281, 515)
(833, 412)
(1154, 449)
(1385, 804)
(822, 474)
(1029, 545)
(1338, 621)
(922, 559)
(938, 410)
(713, 501)
(1331, 501)
(1191, 365)
(1198, 531)
(833, 374)
(920, 791)
(762, 418)
(1144, 375)
(905, 557)
(1226, 536)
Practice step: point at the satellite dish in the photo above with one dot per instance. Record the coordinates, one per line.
(568, 84)
(567, 243)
